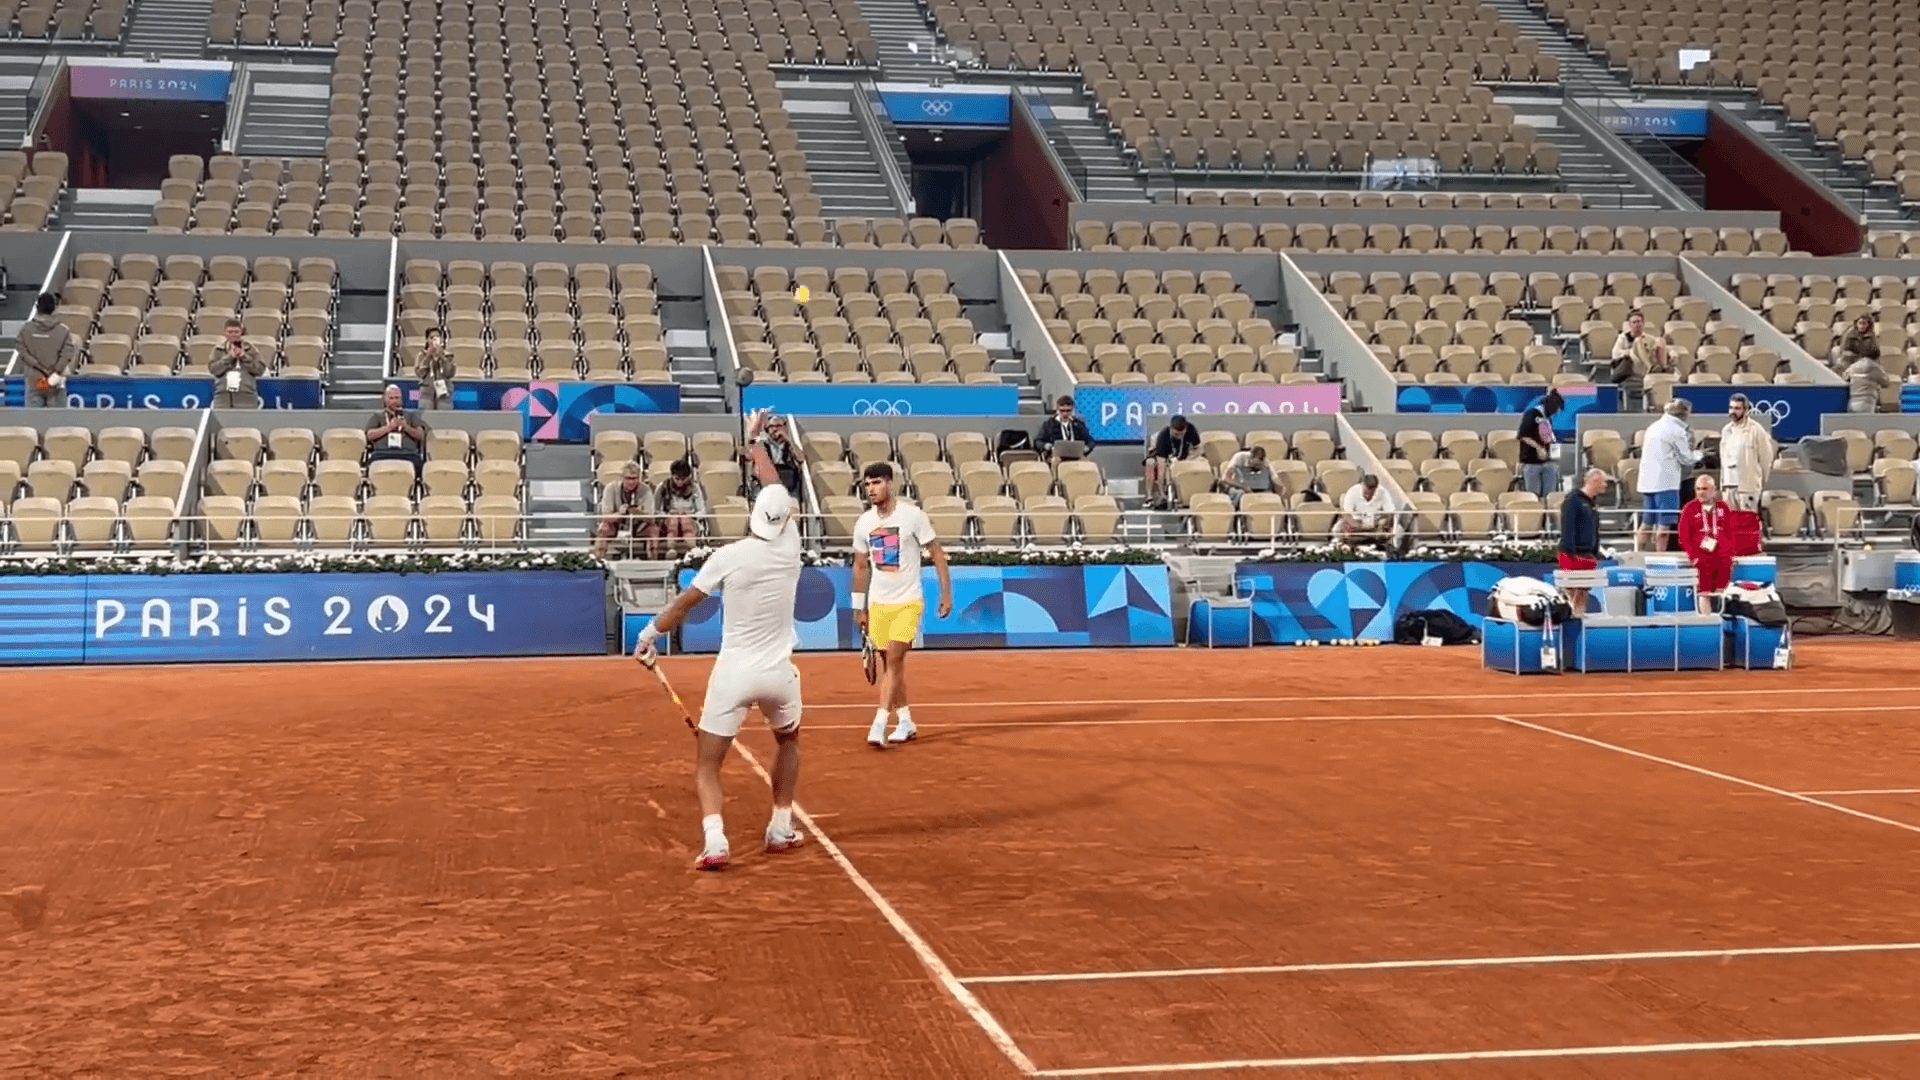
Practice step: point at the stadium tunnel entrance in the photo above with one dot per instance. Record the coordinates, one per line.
(119, 122)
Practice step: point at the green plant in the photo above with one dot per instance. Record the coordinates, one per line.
(303, 563)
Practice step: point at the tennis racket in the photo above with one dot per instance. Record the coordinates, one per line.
(654, 666)
(869, 659)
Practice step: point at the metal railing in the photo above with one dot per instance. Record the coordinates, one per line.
(1066, 158)
(1607, 114)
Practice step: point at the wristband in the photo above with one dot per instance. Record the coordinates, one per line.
(651, 634)
(859, 601)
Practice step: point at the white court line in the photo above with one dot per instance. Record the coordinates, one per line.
(1867, 791)
(1782, 792)
(1492, 694)
(1459, 962)
(1490, 1055)
(1156, 721)
(928, 958)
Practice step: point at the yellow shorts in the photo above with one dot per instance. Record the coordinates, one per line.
(888, 623)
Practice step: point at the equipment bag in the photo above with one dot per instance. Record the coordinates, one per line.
(1415, 627)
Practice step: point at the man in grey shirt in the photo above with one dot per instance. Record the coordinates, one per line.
(47, 352)
(397, 435)
(236, 367)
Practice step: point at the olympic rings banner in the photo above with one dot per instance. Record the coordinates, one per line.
(170, 393)
(947, 106)
(224, 618)
(994, 607)
(555, 411)
(881, 399)
(1792, 412)
(1131, 413)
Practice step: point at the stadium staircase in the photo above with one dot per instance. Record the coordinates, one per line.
(1879, 207)
(169, 29)
(16, 111)
(357, 371)
(558, 495)
(1107, 174)
(104, 210)
(844, 163)
(285, 111)
(909, 45)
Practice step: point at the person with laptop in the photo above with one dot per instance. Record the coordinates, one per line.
(1064, 435)
(1247, 470)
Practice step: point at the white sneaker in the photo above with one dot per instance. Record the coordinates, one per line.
(877, 735)
(904, 731)
(784, 841)
(715, 857)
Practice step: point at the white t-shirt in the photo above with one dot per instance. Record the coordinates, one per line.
(1366, 512)
(757, 581)
(893, 545)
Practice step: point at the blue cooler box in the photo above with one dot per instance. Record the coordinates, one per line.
(1906, 572)
(1650, 643)
(1673, 591)
(1755, 570)
(1758, 648)
(1218, 625)
(1515, 647)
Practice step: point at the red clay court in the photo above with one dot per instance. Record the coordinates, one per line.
(1316, 863)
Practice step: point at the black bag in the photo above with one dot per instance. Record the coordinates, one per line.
(1825, 454)
(1763, 606)
(1415, 627)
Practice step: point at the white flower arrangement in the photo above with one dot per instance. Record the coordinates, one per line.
(306, 562)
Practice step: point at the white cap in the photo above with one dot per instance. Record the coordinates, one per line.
(772, 509)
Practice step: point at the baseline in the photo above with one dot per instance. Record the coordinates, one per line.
(1452, 962)
(1646, 1049)
(1505, 694)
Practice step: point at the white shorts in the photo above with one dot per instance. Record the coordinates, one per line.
(731, 691)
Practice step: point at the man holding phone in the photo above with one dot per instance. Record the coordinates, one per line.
(396, 434)
(236, 365)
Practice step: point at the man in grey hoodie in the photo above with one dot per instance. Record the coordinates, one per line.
(47, 352)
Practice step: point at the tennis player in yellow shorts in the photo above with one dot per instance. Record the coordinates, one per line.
(888, 602)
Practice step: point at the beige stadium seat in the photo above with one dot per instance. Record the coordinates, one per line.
(948, 513)
(128, 444)
(107, 478)
(391, 478)
(443, 519)
(222, 518)
(389, 519)
(729, 517)
(999, 518)
(1265, 514)
(174, 443)
(92, 520)
(276, 520)
(149, 520)
(497, 518)
(52, 478)
(331, 519)
(338, 479)
(1047, 519)
(498, 444)
(1099, 518)
(36, 522)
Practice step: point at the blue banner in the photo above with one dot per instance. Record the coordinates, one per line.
(170, 393)
(555, 411)
(881, 399)
(1667, 121)
(219, 618)
(1510, 399)
(994, 607)
(1341, 601)
(150, 82)
(1793, 412)
(1130, 413)
(948, 106)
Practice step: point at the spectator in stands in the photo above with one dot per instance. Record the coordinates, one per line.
(1667, 456)
(1580, 533)
(1865, 379)
(628, 507)
(683, 503)
(1177, 441)
(1746, 453)
(783, 453)
(1861, 341)
(1247, 470)
(1063, 426)
(1706, 536)
(394, 434)
(48, 350)
(236, 365)
(1636, 355)
(1365, 515)
(1539, 466)
(434, 368)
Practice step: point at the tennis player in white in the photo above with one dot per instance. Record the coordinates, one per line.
(887, 597)
(756, 578)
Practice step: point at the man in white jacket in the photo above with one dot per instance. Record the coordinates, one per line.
(1746, 453)
(1667, 455)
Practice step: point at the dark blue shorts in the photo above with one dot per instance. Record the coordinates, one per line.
(1663, 508)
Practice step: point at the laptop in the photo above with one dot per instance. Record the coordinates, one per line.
(1069, 450)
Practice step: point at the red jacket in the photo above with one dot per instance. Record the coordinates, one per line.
(1698, 524)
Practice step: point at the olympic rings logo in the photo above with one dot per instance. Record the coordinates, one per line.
(1774, 411)
(878, 407)
(937, 106)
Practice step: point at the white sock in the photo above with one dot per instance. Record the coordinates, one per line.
(906, 717)
(716, 832)
(880, 718)
(782, 819)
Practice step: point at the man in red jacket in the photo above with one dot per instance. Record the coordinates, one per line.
(1706, 533)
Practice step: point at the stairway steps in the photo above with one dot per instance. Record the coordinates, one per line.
(167, 28)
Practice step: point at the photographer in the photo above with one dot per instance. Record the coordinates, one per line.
(394, 434)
